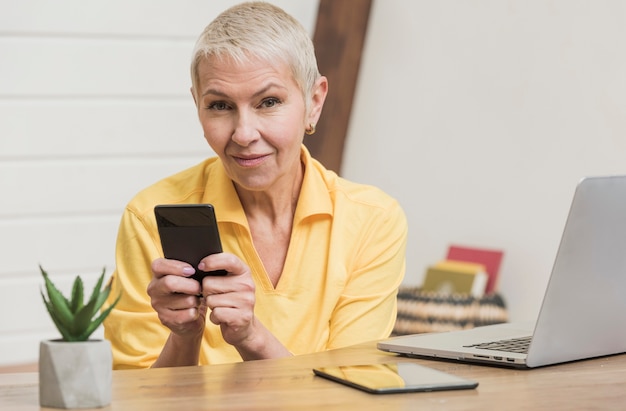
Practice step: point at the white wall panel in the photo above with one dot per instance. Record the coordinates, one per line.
(156, 18)
(22, 347)
(99, 128)
(69, 244)
(50, 66)
(28, 288)
(119, 17)
(83, 186)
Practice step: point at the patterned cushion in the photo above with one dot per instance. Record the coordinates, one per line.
(422, 312)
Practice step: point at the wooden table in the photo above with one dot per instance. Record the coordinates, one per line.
(289, 384)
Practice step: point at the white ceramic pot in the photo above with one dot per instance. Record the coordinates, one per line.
(75, 374)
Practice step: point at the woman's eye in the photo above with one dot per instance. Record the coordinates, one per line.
(270, 102)
(218, 106)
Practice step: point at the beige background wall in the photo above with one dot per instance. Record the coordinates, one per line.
(479, 116)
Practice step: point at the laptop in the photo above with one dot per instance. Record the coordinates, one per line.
(583, 314)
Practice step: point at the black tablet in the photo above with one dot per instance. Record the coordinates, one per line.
(394, 378)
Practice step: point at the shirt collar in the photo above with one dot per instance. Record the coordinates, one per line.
(314, 195)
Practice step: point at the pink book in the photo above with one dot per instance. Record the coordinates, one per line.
(491, 259)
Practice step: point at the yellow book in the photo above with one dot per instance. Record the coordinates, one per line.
(456, 277)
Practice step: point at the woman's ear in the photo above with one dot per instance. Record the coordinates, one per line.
(318, 96)
(193, 94)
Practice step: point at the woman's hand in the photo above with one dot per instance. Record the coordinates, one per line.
(230, 298)
(174, 297)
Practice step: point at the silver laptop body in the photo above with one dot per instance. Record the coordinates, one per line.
(583, 314)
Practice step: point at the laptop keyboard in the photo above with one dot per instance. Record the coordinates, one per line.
(517, 345)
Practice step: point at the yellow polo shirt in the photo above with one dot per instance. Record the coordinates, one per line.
(345, 262)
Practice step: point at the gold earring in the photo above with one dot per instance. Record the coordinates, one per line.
(310, 129)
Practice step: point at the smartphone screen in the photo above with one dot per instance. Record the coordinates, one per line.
(189, 233)
(394, 378)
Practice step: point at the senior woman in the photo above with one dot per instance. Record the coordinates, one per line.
(314, 262)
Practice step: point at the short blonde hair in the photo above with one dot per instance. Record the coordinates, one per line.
(259, 30)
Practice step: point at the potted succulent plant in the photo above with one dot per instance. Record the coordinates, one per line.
(75, 371)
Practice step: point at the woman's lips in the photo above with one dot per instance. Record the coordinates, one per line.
(251, 160)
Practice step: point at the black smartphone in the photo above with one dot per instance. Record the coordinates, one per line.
(189, 233)
(390, 378)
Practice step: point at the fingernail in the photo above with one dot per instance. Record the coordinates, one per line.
(201, 266)
(188, 271)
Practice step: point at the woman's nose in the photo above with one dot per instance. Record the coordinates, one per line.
(246, 130)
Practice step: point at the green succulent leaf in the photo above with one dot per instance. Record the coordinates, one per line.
(59, 305)
(74, 319)
(89, 311)
(98, 295)
(96, 323)
(97, 287)
(76, 301)
(65, 333)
